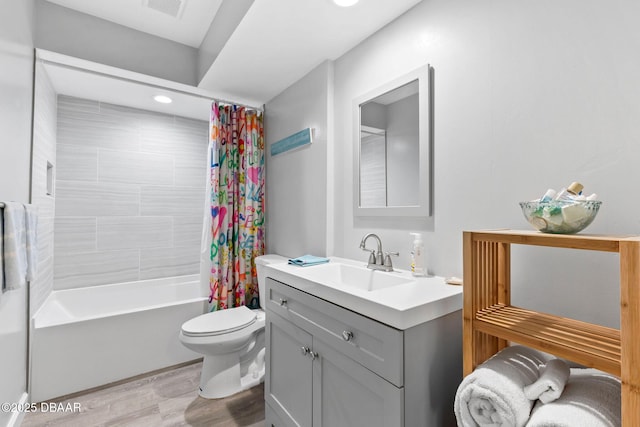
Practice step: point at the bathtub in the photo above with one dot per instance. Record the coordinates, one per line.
(88, 337)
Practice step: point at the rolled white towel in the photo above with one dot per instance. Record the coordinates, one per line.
(553, 377)
(591, 398)
(493, 394)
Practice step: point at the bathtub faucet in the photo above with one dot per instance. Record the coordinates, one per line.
(376, 260)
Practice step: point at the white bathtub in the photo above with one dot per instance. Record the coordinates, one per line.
(87, 337)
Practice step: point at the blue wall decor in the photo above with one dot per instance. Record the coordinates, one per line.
(296, 140)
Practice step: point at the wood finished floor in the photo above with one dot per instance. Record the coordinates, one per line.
(164, 399)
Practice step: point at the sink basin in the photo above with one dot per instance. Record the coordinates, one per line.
(361, 278)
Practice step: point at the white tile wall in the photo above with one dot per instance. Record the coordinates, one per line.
(176, 201)
(166, 262)
(77, 163)
(75, 234)
(129, 194)
(132, 167)
(135, 232)
(76, 270)
(187, 230)
(84, 198)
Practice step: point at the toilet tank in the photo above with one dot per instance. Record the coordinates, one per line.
(261, 261)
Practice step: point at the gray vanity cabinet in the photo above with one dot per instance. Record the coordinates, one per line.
(320, 386)
(289, 387)
(347, 394)
(328, 366)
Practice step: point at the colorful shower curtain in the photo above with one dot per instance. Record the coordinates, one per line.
(234, 225)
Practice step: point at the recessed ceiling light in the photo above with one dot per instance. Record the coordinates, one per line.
(345, 3)
(163, 99)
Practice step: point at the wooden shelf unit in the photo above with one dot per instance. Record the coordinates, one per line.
(490, 321)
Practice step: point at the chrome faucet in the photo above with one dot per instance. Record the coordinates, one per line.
(376, 259)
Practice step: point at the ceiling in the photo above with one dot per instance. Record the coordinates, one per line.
(189, 27)
(275, 44)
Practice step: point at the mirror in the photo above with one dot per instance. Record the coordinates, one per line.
(392, 134)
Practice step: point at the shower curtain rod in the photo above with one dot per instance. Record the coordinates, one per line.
(222, 101)
(155, 86)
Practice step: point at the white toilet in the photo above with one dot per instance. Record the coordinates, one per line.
(232, 343)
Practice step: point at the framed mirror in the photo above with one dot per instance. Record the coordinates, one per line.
(392, 128)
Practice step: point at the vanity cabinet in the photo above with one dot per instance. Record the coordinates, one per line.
(313, 384)
(329, 366)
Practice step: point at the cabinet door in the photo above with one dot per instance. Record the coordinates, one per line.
(270, 418)
(347, 394)
(288, 382)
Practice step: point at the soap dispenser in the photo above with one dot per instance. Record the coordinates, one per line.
(417, 255)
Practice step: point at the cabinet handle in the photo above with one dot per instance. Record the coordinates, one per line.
(347, 335)
(313, 355)
(305, 350)
(283, 302)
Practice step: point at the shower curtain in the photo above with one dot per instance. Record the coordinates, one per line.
(234, 213)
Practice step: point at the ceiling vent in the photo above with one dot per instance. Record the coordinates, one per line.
(172, 8)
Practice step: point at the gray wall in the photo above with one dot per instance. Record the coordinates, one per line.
(296, 180)
(69, 32)
(129, 194)
(16, 86)
(45, 119)
(528, 96)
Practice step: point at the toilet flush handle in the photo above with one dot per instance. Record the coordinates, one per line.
(283, 302)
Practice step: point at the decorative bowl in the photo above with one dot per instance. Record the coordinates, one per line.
(560, 217)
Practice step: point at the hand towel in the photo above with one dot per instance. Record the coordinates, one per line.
(1, 251)
(31, 240)
(493, 394)
(306, 260)
(590, 399)
(553, 377)
(15, 246)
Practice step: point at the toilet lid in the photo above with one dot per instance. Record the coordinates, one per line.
(219, 322)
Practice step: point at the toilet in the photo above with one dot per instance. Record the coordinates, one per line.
(232, 343)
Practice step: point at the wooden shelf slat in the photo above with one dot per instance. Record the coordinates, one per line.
(594, 242)
(553, 325)
(584, 343)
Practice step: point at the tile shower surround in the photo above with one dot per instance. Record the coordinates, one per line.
(129, 194)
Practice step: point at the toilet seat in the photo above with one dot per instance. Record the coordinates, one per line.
(219, 322)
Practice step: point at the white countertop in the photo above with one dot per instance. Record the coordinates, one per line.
(401, 306)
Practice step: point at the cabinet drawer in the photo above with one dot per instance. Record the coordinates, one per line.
(374, 345)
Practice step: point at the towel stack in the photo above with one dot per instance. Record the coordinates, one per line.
(307, 260)
(590, 399)
(18, 244)
(520, 387)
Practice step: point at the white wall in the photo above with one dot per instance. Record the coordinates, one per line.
(45, 120)
(67, 31)
(528, 96)
(297, 180)
(16, 87)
